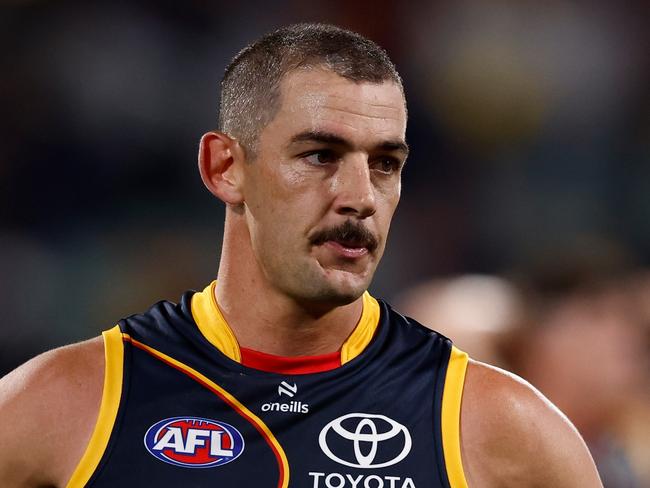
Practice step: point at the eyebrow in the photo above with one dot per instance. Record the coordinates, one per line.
(331, 138)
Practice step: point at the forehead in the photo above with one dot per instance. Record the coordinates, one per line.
(320, 100)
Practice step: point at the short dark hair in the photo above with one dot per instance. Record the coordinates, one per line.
(250, 89)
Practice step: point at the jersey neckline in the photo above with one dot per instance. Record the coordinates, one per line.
(213, 326)
(290, 365)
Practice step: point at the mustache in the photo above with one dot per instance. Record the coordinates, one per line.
(348, 232)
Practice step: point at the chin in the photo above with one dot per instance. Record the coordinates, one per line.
(343, 288)
(342, 297)
(326, 287)
(327, 294)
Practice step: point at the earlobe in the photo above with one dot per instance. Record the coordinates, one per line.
(220, 158)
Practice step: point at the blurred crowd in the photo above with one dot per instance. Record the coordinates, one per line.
(582, 339)
(529, 124)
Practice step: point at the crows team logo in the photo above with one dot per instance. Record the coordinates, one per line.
(193, 442)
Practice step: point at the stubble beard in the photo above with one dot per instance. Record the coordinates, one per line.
(315, 287)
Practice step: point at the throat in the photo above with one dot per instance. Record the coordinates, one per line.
(282, 329)
(256, 334)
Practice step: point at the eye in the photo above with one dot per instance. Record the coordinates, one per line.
(321, 157)
(386, 164)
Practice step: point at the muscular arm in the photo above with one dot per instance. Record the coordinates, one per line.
(512, 436)
(48, 409)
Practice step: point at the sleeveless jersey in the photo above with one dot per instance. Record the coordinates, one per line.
(179, 409)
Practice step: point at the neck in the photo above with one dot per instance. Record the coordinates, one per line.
(266, 320)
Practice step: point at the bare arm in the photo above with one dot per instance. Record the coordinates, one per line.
(48, 408)
(512, 436)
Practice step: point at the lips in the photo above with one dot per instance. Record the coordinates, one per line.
(346, 249)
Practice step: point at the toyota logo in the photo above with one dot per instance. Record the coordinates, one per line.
(376, 440)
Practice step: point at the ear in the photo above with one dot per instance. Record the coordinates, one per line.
(220, 160)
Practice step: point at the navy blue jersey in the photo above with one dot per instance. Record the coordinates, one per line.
(181, 409)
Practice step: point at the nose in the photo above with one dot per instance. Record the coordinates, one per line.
(353, 188)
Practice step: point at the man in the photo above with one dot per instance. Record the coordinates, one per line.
(284, 371)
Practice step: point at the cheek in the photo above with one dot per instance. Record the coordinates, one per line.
(388, 199)
(281, 183)
(265, 192)
(279, 219)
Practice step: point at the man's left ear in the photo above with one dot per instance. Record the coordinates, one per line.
(220, 160)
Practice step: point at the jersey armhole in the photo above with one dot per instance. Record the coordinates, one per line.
(111, 395)
(451, 403)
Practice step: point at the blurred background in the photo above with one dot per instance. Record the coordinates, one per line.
(524, 227)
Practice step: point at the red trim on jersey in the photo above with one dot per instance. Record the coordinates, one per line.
(290, 365)
(283, 476)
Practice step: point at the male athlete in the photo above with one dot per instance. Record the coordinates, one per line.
(284, 371)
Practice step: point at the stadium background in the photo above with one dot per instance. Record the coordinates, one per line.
(529, 127)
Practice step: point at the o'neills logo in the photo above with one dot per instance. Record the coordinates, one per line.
(294, 406)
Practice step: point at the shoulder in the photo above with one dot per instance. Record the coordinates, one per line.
(48, 408)
(511, 435)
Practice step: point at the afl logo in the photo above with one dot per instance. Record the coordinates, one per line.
(193, 442)
(365, 440)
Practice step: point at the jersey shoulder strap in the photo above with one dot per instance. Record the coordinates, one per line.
(111, 397)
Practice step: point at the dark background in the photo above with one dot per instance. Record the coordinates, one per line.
(529, 128)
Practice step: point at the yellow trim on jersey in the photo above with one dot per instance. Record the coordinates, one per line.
(111, 395)
(363, 332)
(215, 329)
(212, 323)
(451, 402)
(239, 407)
